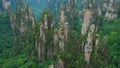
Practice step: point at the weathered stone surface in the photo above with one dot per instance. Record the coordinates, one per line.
(87, 21)
(87, 53)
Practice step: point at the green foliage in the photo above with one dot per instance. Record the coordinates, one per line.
(15, 62)
(29, 65)
(111, 28)
(73, 56)
(46, 63)
(6, 39)
(113, 43)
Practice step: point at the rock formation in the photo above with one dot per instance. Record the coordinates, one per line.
(63, 31)
(88, 29)
(89, 45)
(87, 20)
(45, 46)
(21, 21)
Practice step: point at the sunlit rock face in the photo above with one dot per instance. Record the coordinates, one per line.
(88, 29)
(87, 53)
(87, 21)
(6, 4)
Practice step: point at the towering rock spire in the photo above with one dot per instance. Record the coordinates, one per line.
(88, 29)
(87, 20)
(88, 16)
(63, 31)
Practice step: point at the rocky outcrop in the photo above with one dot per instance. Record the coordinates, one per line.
(87, 20)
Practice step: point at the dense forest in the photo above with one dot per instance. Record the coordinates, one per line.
(59, 33)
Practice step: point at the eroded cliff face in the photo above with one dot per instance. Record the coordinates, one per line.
(88, 29)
